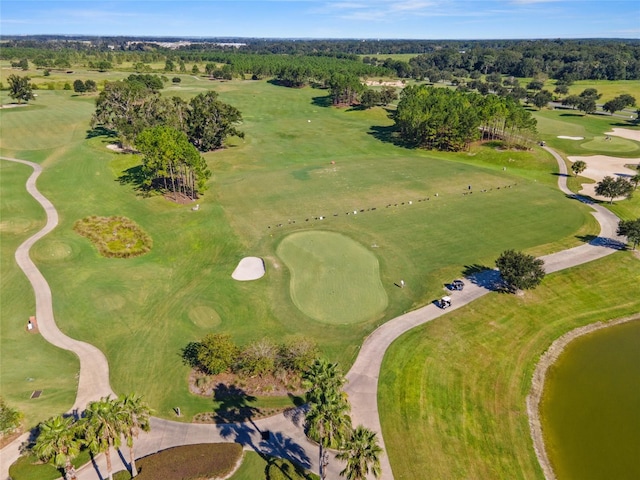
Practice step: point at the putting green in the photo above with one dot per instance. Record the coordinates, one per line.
(614, 144)
(333, 278)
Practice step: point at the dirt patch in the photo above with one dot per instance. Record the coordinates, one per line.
(236, 395)
(265, 386)
(178, 197)
(537, 387)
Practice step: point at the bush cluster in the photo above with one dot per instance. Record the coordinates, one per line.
(217, 353)
(115, 236)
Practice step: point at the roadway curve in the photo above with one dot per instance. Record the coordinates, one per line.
(286, 438)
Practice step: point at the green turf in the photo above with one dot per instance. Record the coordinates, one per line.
(27, 361)
(452, 392)
(592, 128)
(141, 312)
(254, 467)
(333, 279)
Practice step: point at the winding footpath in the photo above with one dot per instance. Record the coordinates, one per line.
(281, 435)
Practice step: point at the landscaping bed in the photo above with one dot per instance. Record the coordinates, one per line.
(189, 462)
(114, 236)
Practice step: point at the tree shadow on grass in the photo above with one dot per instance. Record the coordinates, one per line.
(135, 177)
(101, 132)
(233, 404)
(324, 102)
(388, 134)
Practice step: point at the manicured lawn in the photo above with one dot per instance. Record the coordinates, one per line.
(333, 279)
(28, 363)
(256, 467)
(592, 128)
(452, 392)
(142, 311)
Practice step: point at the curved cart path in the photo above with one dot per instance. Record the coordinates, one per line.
(286, 437)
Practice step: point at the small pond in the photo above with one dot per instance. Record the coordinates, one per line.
(590, 407)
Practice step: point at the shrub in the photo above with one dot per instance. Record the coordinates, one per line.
(216, 353)
(10, 418)
(258, 358)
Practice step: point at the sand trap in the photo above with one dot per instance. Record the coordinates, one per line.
(14, 105)
(249, 268)
(570, 138)
(116, 147)
(600, 166)
(397, 83)
(625, 133)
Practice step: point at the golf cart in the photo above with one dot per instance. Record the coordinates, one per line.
(457, 285)
(444, 302)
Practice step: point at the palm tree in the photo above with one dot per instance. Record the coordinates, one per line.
(104, 425)
(136, 418)
(58, 443)
(362, 453)
(327, 420)
(328, 423)
(322, 376)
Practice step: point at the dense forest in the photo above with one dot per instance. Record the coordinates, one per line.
(568, 60)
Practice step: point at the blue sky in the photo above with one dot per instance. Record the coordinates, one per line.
(420, 19)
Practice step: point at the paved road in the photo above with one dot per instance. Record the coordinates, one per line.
(286, 437)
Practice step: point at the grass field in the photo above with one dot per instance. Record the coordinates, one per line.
(333, 279)
(452, 392)
(142, 311)
(592, 128)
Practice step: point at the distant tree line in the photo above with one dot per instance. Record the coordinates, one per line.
(443, 119)
(569, 60)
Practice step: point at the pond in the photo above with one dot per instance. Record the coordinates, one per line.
(590, 407)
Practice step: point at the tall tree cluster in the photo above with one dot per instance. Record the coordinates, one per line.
(130, 106)
(443, 119)
(169, 159)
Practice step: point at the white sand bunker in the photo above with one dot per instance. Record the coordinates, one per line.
(625, 133)
(564, 137)
(600, 166)
(249, 268)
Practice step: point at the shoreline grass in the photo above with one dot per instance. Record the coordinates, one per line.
(452, 392)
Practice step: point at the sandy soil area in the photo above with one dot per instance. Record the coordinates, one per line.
(397, 83)
(14, 105)
(537, 387)
(625, 133)
(600, 166)
(249, 268)
(570, 138)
